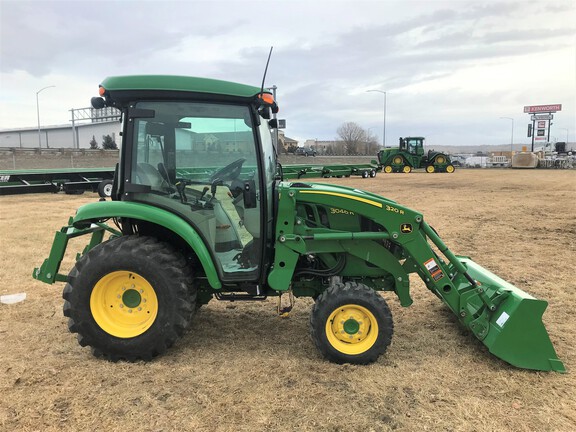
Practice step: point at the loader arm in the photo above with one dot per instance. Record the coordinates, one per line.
(506, 319)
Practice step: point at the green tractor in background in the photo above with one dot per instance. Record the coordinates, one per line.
(199, 211)
(410, 155)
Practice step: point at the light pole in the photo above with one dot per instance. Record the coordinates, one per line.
(512, 134)
(384, 128)
(38, 112)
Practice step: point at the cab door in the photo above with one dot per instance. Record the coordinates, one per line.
(203, 162)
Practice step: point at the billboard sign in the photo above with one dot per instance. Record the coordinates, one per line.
(542, 117)
(543, 108)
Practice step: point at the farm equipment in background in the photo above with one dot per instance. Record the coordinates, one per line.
(191, 225)
(410, 155)
(70, 181)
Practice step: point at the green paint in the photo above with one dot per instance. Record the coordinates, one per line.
(131, 298)
(351, 326)
(178, 83)
(114, 209)
(411, 153)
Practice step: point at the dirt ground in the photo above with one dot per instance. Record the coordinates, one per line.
(243, 368)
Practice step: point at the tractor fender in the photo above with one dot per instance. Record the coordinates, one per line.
(102, 210)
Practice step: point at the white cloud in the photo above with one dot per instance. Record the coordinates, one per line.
(450, 67)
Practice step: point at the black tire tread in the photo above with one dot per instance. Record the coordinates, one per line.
(351, 293)
(175, 269)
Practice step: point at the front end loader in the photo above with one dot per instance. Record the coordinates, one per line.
(199, 211)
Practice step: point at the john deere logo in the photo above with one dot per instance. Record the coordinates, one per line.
(406, 228)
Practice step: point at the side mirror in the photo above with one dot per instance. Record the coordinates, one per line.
(97, 102)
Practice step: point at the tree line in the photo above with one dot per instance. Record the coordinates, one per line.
(356, 140)
(352, 140)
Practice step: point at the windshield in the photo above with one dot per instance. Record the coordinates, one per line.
(203, 136)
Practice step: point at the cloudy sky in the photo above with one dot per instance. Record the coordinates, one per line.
(450, 69)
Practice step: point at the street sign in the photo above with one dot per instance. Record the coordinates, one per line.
(543, 108)
(281, 123)
(542, 117)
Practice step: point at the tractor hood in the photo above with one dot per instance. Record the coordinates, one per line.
(334, 193)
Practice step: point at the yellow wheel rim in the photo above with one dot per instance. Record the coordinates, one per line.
(449, 169)
(430, 169)
(406, 169)
(440, 159)
(388, 169)
(398, 160)
(352, 329)
(124, 304)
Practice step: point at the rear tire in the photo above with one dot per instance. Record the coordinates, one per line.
(351, 323)
(130, 298)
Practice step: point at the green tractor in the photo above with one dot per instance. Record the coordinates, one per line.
(199, 211)
(410, 155)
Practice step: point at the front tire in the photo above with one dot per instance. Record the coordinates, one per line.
(130, 298)
(351, 323)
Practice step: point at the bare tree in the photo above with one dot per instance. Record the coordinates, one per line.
(356, 139)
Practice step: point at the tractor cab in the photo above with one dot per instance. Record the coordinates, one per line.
(412, 145)
(210, 161)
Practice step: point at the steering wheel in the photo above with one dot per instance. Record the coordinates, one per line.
(229, 172)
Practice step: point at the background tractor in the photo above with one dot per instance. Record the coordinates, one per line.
(199, 211)
(410, 154)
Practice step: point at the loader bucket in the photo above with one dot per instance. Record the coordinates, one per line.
(515, 332)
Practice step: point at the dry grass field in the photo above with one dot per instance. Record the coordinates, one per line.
(243, 368)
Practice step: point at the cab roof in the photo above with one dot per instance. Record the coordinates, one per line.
(178, 83)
